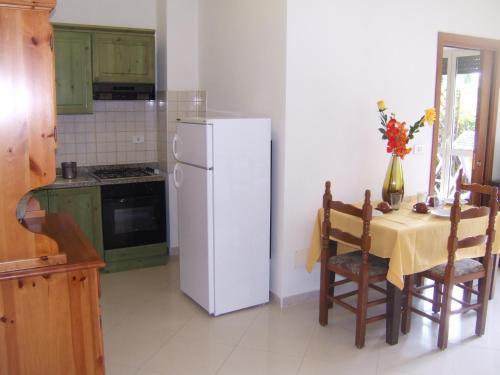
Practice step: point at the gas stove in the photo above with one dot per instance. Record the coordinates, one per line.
(122, 173)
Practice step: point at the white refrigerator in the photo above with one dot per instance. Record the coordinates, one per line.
(223, 181)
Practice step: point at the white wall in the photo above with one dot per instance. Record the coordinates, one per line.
(182, 42)
(242, 67)
(123, 13)
(342, 56)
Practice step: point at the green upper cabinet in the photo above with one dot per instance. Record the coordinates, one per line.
(84, 205)
(73, 57)
(123, 57)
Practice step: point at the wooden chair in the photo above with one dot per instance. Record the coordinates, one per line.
(460, 273)
(359, 267)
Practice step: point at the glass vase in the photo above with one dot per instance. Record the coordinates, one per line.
(394, 180)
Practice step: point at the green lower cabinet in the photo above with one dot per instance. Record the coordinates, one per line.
(84, 205)
(42, 197)
(136, 257)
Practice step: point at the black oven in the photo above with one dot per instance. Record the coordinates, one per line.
(133, 214)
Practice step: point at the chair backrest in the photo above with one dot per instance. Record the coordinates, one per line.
(457, 215)
(364, 213)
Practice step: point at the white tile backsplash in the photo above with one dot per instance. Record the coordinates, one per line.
(105, 137)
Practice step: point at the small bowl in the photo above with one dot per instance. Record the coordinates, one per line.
(384, 207)
(420, 208)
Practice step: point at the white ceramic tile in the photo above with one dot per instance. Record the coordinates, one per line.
(80, 138)
(150, 106)
(131, 156)
(100, 117)
(119, 369)
(130, 117)
(91, 159)
(121, 157)
(227, 329)
(151, 156)
(139, 106)
(249, 362)
(69, 138)
(111, 157)
(100, 127)
(129, 127)
(99, 106)
(120, 117)
(101, 147)
(185, 356)
(81, 148)
(101, 158)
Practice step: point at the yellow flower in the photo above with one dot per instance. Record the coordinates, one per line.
(381, 105)
(430, 116)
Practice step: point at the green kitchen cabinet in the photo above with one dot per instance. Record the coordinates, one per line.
(73, 61)
(43, 198)
(84, 205)
(123, 57)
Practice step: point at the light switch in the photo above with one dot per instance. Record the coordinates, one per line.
(138, 139)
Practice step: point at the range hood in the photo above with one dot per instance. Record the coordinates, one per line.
(124, 91)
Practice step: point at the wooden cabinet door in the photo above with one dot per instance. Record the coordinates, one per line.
(84, 205)
(123, 58)
(73, 72)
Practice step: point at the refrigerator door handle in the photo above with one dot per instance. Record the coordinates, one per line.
(177, 175)
(176, 141)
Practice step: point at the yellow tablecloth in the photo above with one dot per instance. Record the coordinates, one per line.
(413, 242)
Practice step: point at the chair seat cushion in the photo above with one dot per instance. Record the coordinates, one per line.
(462, 267)
(351, 262)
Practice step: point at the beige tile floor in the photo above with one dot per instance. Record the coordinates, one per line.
(151, 328)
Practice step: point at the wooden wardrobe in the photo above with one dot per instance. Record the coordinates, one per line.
(49, 271)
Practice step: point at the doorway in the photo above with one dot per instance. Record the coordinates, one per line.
(466, 102)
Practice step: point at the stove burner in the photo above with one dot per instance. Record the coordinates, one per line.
(107, 174)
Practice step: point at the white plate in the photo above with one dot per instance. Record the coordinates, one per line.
(451, 200)
(441, 212)
(377, 213)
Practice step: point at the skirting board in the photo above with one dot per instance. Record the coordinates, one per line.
(296, 299)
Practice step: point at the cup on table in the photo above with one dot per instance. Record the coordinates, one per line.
(396, 199)
(421, 196)
(434, 201)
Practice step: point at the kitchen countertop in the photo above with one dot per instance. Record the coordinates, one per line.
(84, 179)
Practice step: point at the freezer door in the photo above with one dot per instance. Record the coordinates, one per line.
(192, 144)
(195, 204)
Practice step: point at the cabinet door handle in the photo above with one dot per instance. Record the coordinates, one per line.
(51, 41)
(53, 134)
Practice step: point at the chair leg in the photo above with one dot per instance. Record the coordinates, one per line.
(406, 318)
(361, 313)
(467, 293)
(481, 312)
(493, 276)
(438, 292)
(444, 319)
(331, 290)
(323, 295)
(419, 280)
(484, 294)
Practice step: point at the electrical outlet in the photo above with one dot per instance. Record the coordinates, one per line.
(138, 139)
(418, 149)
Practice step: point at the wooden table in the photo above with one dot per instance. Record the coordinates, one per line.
(413, 242)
